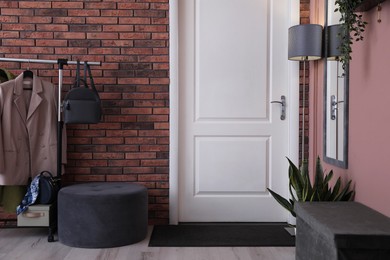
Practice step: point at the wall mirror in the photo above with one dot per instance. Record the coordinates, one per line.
(336, 84)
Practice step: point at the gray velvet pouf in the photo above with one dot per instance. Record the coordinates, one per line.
(102, 214)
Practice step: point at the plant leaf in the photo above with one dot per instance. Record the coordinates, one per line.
(319, 177)
(328, 177)
(296, 180)
(342, 195)
(282, 201)
(336, 189)
(307, 189)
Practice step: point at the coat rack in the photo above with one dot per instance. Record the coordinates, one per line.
(61, 63)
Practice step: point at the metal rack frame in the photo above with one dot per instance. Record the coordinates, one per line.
(61, 63)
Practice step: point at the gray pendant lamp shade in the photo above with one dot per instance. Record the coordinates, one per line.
(334, 41)
(305, 42)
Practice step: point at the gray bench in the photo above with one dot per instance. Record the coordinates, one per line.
(341, 230)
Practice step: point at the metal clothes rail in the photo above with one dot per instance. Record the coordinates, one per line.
(61, 63)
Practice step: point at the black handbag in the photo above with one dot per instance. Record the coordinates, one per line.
(82, 104)
(48, 188)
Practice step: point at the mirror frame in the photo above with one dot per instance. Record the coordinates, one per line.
(334, 161)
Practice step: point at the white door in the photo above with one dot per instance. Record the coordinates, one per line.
(232, 141)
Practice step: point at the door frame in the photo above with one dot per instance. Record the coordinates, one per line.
(292, 103)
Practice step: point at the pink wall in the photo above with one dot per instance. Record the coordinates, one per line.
(369, 123)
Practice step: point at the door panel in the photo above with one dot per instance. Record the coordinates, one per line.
(231, 59)
(222, 170)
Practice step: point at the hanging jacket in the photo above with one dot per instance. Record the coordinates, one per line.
(28, 130)
(10, 195)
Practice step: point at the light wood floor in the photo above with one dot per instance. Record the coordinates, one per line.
(31, 243)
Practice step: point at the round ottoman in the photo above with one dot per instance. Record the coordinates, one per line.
(102, 214)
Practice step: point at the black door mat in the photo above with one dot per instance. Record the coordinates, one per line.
(220, 235)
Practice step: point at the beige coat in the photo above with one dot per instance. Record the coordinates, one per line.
(28, 130)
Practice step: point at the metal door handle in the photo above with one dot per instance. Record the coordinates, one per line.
(334, 107)
(283, 103)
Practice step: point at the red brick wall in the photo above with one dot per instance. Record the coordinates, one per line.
(304, 19)
(130, 38)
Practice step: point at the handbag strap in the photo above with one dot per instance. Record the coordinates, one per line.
(77, 83)
(87, 70)
(43, 173)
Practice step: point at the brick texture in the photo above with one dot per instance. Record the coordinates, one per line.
(304, 88)
(130, 38)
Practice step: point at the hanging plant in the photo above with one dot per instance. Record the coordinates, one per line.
(353, 26)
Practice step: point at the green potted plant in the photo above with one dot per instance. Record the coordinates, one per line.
(302, 189)
(353, 27)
